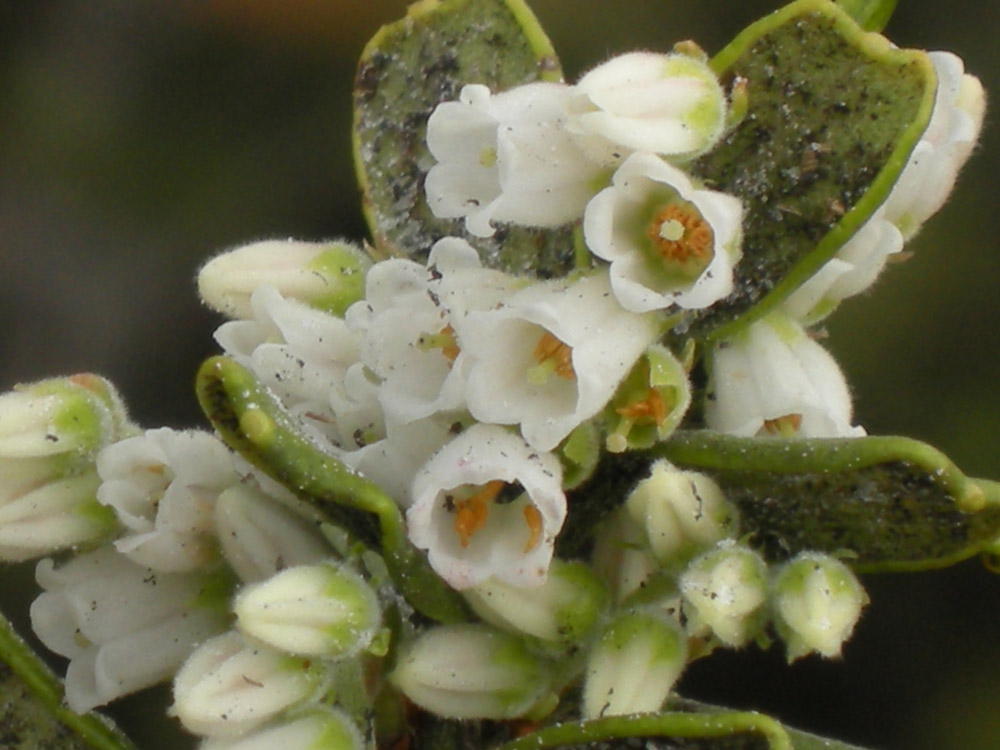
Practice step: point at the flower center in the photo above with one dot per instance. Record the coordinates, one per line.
(681, 239)
(553, 357)
(443, 340)
(785, 426)
(472, 513)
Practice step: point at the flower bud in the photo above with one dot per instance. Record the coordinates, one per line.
(634, 665)
(320, 728)
(260, 537)
(471, 672)
(817, 601)
(724, 594)
(671, 105)
(651, 401)
(328, 276)
(228, 687)
(682, 512)
(313, 610)
(564, 609)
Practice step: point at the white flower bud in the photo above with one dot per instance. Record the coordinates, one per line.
(669, 243)
(633, 665)
(817, 601)
(682, 512)
(564, 609)
(622, 556)
(261, 537)
(229, 687)
(471, 672)
(320, 728)
(671, 105)
(328, 276)
(312, 610)
(724, 593)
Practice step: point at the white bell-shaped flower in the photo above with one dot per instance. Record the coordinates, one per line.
(671, 105)
(487, 504)
(551, 356)
(669, 243)
(933, 166)
(772, 378)
(124, 627)
(507, 158)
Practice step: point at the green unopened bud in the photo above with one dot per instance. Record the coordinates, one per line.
(650, 403)
(472, 672)
(634, 665)
(317, 729)
(313, 610)
(564, 609)
(817, 602)
(724, 593)
(682, 512)
(329, 276)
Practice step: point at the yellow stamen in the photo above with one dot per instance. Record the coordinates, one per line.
(534, 520)
(784, 426)
(471, 514)
(553, 357)
(443, 340)
(682, 239)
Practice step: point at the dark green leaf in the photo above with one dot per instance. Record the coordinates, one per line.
(406, 70)
(833, 115)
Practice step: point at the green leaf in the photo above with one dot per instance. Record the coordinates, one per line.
(834, 113)
(893, 503)
(32, 713)
(871, 15)
(406, 70)
(254, 424)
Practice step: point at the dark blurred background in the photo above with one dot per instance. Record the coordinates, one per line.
(136, 139)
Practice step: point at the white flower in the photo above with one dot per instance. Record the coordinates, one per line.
(163, 486)
(485, 505)
(772, 378)
(507, 158)
(260, 537)
(551, 356)
(945, 145)
(319, 728)
(668, 242)
(326, 275)
(670, 105)
(851, 271)
(470, 671)
(123, 626)
(230, 686)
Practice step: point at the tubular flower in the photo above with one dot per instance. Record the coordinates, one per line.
(507, 158)
(668, 242)
(485, 505)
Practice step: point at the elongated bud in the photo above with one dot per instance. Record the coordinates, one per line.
(313, 610)
(724, 594)
(817, 602)
(329, 276)
(260, 537)
(564, 609)
(682, 512)
(634, 665)
(319, 728)
(650, 403)
(472, 672)
(229, 687)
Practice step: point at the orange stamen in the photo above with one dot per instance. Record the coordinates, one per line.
(471, 514)
(550, 350)
(534, 520)
(786, 425)
(682, 238)
(443, 340)
(653, 407)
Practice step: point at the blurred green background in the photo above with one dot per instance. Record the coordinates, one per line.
(136, 139)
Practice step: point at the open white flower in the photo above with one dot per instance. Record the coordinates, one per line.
(487, 504)
(668, 242)
(772, 378)
(551, 356)
(163, 486)
(670, 105)
(507, 158)
(945, 146)
(123, 626)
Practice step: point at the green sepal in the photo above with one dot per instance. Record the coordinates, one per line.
(33, 715)
(886, 503)
(406, 70)
(871, 15)
(834, 113)
(254, 424)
